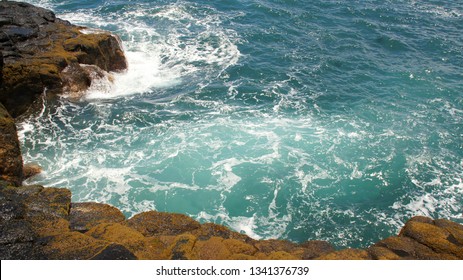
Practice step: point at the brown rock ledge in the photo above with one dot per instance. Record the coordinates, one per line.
(41, 52)
(11, 163)
(40, 223)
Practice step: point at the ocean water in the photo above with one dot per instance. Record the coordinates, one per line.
(298, 120)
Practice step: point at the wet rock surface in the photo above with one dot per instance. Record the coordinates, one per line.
(30, 170)
(37, 47)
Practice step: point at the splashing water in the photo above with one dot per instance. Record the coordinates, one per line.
(279, 119)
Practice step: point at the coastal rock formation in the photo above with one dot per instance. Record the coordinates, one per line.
(1, 69)
(42, 223)
(11, 163)
(155, 223)
(30, 170)
(85, 215)
(41, 52)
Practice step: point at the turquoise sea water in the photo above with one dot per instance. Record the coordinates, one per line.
(299, 120)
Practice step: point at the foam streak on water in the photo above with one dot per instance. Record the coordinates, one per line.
(280, 119)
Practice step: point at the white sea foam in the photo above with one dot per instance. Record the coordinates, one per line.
(192, 42)
(440, 11)
(246, 225)
(224, 171)
(115, 178)
(144, 75)
(23, 129)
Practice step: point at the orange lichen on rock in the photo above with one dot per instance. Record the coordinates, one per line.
(438, 239)
(85, 215)
(73, 245)
(347, 254)
(37, 223)
(42, 223)
(34, 60)
(153, 223)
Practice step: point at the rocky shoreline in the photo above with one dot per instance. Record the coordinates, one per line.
(41, 53)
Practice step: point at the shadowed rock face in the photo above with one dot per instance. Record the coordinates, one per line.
(11, 163)
(36, 47)
(1, 68)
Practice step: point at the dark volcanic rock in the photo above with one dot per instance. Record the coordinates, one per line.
(21, 251)
(35, 223)
(10, 209)
(17, 237)
(1, 68)
(114, 252)
(94, 49)
(455, 230)
(11, 163)
(36, 47)
(47, 209)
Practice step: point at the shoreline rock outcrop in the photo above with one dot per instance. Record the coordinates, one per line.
(42, 223)
(38, 52)
(42, 52)
(11, 163)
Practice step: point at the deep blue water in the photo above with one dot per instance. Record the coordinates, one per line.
(299, 120)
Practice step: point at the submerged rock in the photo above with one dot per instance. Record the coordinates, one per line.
(36, 48)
